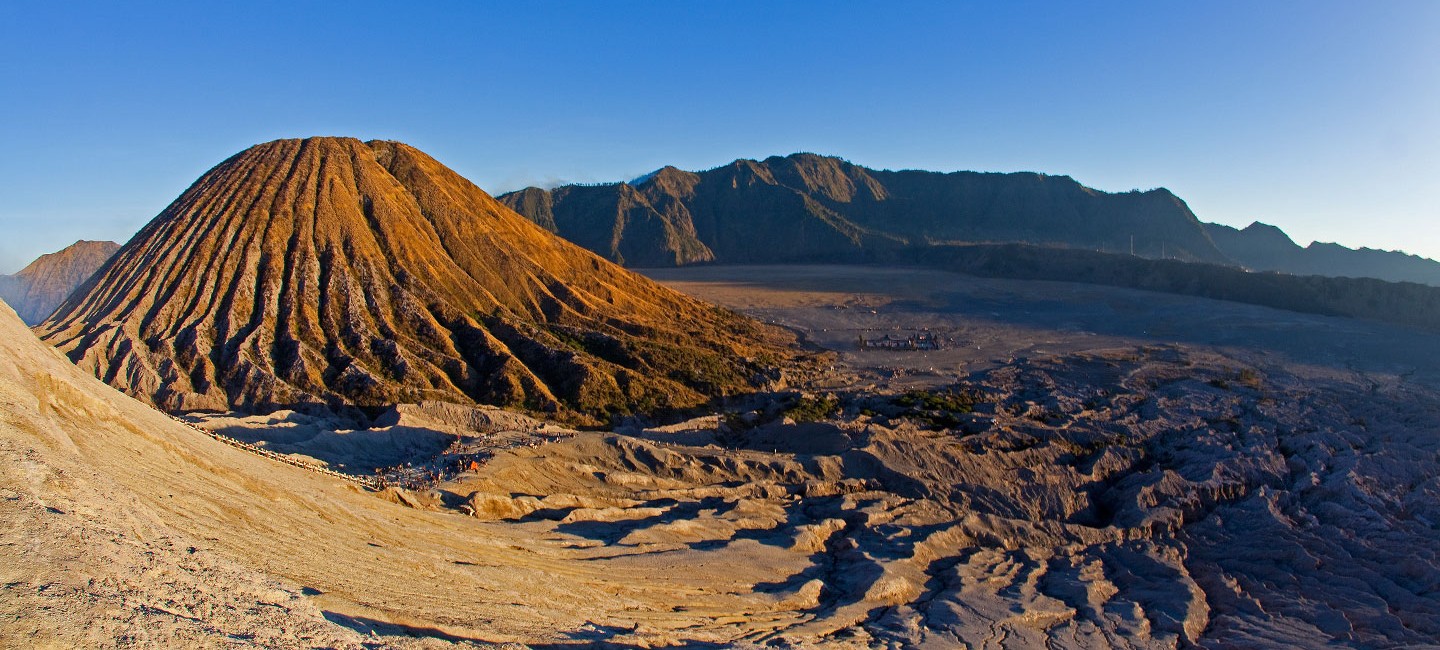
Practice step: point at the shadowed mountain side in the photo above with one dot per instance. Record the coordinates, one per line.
(39, 288)
(1403, 303)
(635, 232)
(331, 271)
(809, 207)
(1263, 247)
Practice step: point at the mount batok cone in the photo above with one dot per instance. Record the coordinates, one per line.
(346, 273)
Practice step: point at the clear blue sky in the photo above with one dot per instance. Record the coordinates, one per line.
(1320, 117)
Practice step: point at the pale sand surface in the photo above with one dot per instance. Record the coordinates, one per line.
(121, 525)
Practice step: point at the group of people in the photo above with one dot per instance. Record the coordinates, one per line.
(261, 451)
(460, 457)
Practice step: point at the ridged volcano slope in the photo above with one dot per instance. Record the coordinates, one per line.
(333, 271)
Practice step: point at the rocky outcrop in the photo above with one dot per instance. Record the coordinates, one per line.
(337, 272)
(1151, 497)
(818, 208)
(1263, 247)
(39, 288)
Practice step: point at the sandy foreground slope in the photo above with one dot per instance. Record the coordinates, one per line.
(119, 526)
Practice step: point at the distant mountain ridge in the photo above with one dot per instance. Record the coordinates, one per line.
(335, 272)
(807, 207)
(40, 287)
(1263, 247)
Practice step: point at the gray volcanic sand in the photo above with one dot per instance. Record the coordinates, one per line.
(1139, 470)
(996, 321)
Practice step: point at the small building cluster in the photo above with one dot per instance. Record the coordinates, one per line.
(922, 340)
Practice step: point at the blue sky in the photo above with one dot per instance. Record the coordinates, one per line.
(1320, 117)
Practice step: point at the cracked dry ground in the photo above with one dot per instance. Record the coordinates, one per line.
(1141, 497)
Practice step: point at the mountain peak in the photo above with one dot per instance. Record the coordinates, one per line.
(42, 285)
(69, 257)
(825, 208)
(346, 273)
(1263, 247)
(1268, 232)
(670, 176)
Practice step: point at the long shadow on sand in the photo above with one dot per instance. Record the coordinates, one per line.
(610, 643)
(612, 532)
(368, 626)
(591, 635)
(1334, 341)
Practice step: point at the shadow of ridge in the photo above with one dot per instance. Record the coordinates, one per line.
(367, 626)
(614, 531)
(794, 581)
(606, 643)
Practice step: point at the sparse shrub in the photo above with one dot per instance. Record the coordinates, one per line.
(568, 340)
(938, 409)
(950, 400)
(812, 409)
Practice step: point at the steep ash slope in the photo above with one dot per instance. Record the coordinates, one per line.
(89, 561)
(41, 286)
(333, 271)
